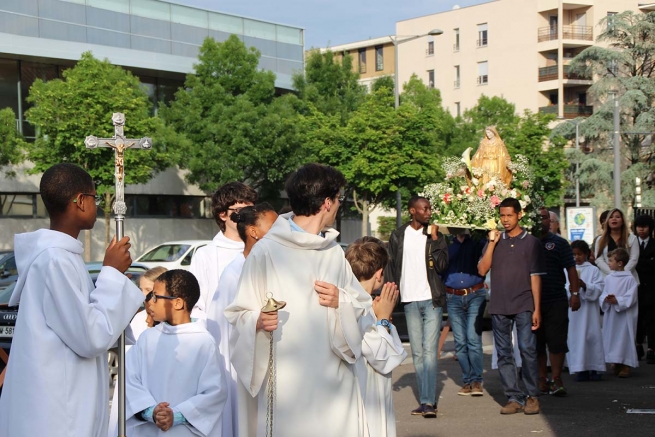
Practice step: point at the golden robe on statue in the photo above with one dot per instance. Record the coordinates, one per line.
(492, 157)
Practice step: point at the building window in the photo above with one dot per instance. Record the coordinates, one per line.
(362, 60)
(22, 205)
(482, 35)
(456, 76)
(613, 67)
(456, 44)
(430, 79)
(430, 49)
(610, 21)
(379, 58)
(458, 109)
(483, 73)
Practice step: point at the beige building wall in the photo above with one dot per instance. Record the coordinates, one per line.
(368, 71)
(528, 45)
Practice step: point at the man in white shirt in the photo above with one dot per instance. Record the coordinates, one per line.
(417, 257)
(209, 261)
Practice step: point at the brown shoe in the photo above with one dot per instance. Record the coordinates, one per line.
(476, 389)
(465, 391)
(531, 406)
(625, 372)
(512, 407)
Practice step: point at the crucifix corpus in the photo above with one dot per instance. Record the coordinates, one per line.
(119, 143)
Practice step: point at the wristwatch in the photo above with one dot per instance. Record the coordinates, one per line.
(575, 293)
(385, 324)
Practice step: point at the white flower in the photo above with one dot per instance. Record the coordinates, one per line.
(475, 181)
(523, 204)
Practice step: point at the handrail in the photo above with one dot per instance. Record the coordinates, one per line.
(549, 33)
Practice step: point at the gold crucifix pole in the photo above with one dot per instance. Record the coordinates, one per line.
(119, 143)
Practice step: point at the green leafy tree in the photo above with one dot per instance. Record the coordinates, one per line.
(625, 64)
(11, 143)
(238, 128)
(381, 149)
(330, 85)
(66, 110)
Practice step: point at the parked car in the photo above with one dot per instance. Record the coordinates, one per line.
(8, 271)
(172, 254)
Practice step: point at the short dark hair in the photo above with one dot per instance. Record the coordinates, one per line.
(511, 202)
(366, 258)
(229, 194)
(61, 183)
(645, 221)
(183, 284)
(309, 186)
(603, 216)
(414, 200)
(582, 246)
(620, 255)
(249, 216)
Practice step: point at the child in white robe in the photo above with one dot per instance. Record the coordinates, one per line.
(252, 222)
(586, 356)
(175, 381)
(57, 378)
(383, 352)
(139, 324)
(619, 302)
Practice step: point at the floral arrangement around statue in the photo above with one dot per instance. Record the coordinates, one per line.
(473, 188)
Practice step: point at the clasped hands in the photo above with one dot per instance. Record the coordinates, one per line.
(328, 296)
(163, 416)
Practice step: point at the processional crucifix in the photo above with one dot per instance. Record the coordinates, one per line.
(119, 143)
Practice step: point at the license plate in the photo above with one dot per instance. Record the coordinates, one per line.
(6, 331)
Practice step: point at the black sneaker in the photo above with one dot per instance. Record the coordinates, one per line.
(429, 411)
(650, 356)
(419, 411)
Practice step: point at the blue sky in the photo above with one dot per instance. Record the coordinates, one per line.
(333, 22)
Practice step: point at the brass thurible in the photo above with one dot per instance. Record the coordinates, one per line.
(271, 306)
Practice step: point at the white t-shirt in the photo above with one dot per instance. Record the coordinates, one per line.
(414, 284)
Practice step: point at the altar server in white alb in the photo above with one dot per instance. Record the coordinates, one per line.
(209, 261)
(57, 377)
(382, 350)
(175, 378)
(586, 357)
(619, 302)
(253, 222)
(317, 336)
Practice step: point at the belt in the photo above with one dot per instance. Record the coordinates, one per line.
(464, 291)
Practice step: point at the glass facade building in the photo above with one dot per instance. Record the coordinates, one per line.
(157, 40)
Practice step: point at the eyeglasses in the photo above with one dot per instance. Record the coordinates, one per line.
(96, 198)
(152, 296)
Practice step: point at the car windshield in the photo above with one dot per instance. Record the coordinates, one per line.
(165, 253)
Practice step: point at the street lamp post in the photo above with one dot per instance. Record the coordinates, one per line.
(577, 164)
(396, 87)
(617, 152)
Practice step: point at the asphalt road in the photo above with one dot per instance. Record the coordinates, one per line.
(590, 409)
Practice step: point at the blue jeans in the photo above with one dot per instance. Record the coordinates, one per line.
(423, 326)
(464, 313)
(527, 339)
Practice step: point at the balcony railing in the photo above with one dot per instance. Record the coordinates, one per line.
(549, 33)
(362, 68)
(483, 79)
(482, 42)
(550, 73)
(457, 83)
(570, 111)
(455, 47)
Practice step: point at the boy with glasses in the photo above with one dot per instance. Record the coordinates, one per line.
(174, 376)
(57, 381)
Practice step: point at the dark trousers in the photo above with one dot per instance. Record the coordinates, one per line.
(646, 325)
(502, 328)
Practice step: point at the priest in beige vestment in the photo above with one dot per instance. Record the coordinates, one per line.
(318, 335)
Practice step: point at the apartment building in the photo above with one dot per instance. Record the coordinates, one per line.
(516, 49)
(372, 58)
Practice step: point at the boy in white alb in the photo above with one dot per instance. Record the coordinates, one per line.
(381, 353)
(619, 302)
(56, 383)
(209, 261)
(586, 356)
(175, 381)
